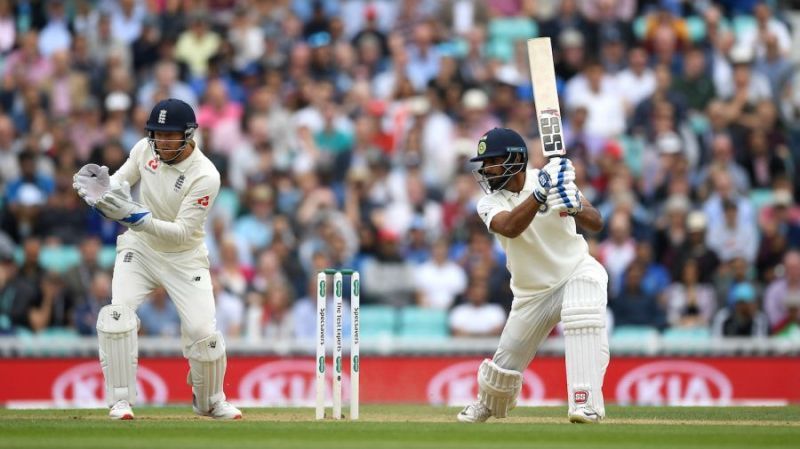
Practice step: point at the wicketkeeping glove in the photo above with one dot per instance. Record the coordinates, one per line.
(91, 182)
(117, 205)
(566, 198)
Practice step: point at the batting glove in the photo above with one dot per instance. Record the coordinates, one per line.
(566, 198)
(541, 187)
(560, 170)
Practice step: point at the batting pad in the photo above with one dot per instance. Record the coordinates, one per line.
(119, 351)
(207, 364)
(586, 343)
(498, 388)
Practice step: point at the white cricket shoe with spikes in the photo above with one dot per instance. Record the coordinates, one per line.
(584, 415)
(474, 413)
(121, 410)
(220, 410)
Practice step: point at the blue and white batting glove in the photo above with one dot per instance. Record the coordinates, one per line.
(561, 171)
(541, 187)
(118, 205)
(565, 198)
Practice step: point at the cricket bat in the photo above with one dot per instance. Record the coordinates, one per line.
(545, 96)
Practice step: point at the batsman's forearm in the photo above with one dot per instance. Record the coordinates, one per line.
(589, 219)
(517, 220)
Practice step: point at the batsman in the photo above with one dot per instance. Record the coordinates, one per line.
(534, 214)
(163, 246)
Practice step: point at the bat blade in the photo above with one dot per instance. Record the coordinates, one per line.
(545, 95)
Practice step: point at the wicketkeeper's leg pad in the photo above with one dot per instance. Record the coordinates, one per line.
(498, 388)
(119, 351)
(586, 344)
(207, 364)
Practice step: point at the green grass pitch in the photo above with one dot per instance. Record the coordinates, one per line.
(404, 426)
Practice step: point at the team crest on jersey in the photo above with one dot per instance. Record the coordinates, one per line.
(152, 165)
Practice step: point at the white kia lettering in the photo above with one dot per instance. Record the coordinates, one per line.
(674, 383)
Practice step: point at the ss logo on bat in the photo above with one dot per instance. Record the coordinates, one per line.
(550, 125)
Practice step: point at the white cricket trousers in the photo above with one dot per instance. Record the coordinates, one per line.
(532, 319)
(139, 269)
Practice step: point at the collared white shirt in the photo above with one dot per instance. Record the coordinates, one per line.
(543, 255)
(179, 196)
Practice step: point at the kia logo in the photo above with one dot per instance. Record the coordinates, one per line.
(82, 386)
(457, 385)
(674, 383)
(286, 383)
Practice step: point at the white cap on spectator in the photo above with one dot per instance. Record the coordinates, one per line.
(570, 38)
(508, 74)
(475, 99)
(669, 143)
(741, 54)
(419, 105)
(696, 221)
(30, 195)
(782, 197)
(677, 203)
(118, 101)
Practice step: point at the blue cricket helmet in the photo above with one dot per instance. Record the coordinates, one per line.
(500, 142)
(505, 143)
(171, 115)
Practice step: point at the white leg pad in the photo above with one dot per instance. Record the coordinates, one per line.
(586, 343)
(119, 351)
(207, 364)
(498, 388)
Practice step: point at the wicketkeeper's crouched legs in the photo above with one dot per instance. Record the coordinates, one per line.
(586, 343)
(116, 332)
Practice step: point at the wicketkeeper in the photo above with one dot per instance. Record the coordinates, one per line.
(534, 214)
(162, 247)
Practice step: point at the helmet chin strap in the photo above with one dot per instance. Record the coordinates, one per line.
(178, 151)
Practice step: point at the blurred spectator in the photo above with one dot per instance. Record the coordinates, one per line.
(656, 277)
(80, 277)
(269, 314)
(233, 276)
(689, 302)
(98, 295)
(767, 27)
(53, 307)
(385, 277)
(304, 312)
(439, 280)
(741, 318)
(476, 317)
(158, 315)
(790, 325)
(731, 239)
(694, 83)
(779, 290)
(618, 251)
(229, 310)
(634, 306)
(600, 95)
(638, 79)
(255, 229)
(16, 294)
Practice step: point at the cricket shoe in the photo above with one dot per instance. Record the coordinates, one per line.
(220, 410)
(584, 415)
(121, 410)
(474, 413)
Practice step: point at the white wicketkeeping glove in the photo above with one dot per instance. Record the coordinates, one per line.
(91, 182)
(566, 198)
(560, 170)
(117, 205)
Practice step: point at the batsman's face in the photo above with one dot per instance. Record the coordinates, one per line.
(494, 170)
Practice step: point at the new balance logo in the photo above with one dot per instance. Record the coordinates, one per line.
(179, 182)
(196, 278)
(162, 116)
(212, 344)
(128, 257)
(116, 315)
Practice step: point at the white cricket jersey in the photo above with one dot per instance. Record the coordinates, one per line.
(545, 253)
(179, 196)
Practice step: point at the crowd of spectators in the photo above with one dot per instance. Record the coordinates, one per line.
(343, 128)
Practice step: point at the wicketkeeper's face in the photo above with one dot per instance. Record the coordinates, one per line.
(168, 144)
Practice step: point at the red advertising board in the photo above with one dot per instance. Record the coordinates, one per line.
(272, 381)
